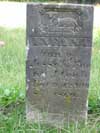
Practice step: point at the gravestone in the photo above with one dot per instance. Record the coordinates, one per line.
(59, 41)
(71, 1)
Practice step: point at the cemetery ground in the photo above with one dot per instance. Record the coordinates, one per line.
(12, 88)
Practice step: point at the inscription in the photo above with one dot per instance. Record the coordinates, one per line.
(64, 85)
(62, 72)
(60, 41)
(54, 62)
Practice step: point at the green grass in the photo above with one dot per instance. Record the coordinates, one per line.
(94, 90)
(34, 0)
(12, 65)
(12, 88)
(26, 0)
(12, 120)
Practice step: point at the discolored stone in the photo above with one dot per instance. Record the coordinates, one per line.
(59, 41)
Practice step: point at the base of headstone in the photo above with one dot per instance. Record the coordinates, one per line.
(58, 120)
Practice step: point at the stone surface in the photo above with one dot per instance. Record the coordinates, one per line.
(71, 1)
(59, 41)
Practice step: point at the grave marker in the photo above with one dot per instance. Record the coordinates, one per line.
(59, 41)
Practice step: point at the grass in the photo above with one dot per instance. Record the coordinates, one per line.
(12, 65)
(26, 0)
(35, 0)
(12, 120)
(12, 88)
(94, 90)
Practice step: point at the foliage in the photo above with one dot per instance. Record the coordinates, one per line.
(94, 91)
(12, 66)
(12, 120)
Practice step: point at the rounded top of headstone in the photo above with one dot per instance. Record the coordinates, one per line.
(59, 4)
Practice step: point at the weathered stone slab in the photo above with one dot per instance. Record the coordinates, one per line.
(59, 41)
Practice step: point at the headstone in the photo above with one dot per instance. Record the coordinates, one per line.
(71, 1)
(59, 41)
